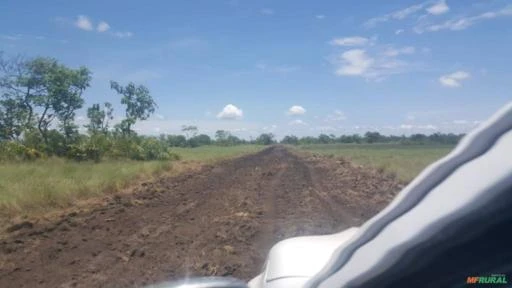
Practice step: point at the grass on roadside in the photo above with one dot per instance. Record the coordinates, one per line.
(27, 187)
(406, 161)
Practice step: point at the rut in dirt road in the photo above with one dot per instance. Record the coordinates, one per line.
(221, 220)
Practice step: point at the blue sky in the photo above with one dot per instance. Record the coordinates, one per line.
(286, 67)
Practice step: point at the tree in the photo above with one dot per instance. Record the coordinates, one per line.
(176, 141)
(324, 139)
(292, 140)
(233, 140)
(221, 136)
(139, 104)
(99, 118)
(308, 140)
(67, 88)
(201, 140)
(189, 130)
(265, 139)
(18, 86)
(44, 90)
(372, 137)
(12, 119)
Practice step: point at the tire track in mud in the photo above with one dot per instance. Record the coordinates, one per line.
(220, 220)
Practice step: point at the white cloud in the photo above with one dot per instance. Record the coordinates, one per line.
(102, 26)
(230, 112)
(358, 62)
(439, 8)
(453, 79)
(461, 23)
(399, 31)
(397, 15)
(122, 35)
(267, 11)
(297, 122)
(392, 52)
(354, 62)
(335, 117)
(320, 16)
(404, 13)
(296, 110)
(159, 116)
(406, 126)
(350, 41)
(83, 23)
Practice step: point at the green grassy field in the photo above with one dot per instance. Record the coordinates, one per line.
(406, 161)
(46, 184)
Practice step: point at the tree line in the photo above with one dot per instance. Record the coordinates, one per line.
(376, 138)
(40, 98)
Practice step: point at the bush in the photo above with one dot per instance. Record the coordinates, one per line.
(84, 152)
(13, 151)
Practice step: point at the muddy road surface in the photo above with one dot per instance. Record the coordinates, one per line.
(220, 220)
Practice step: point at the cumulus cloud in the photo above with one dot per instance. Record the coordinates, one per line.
(102, 27)
(297, 122)
(358, 62)
(320, 16)
(83, 23)
(350, 41)
(230, 112)
(354, 62)
(439, 8)
(373, 61)
(296, 110)
(453, 79)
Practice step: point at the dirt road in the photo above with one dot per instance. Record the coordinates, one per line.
(221, 220)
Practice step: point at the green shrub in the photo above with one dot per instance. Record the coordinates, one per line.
(84, 152)
(13, 151)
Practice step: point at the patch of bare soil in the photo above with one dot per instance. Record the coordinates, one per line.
(221, 220)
